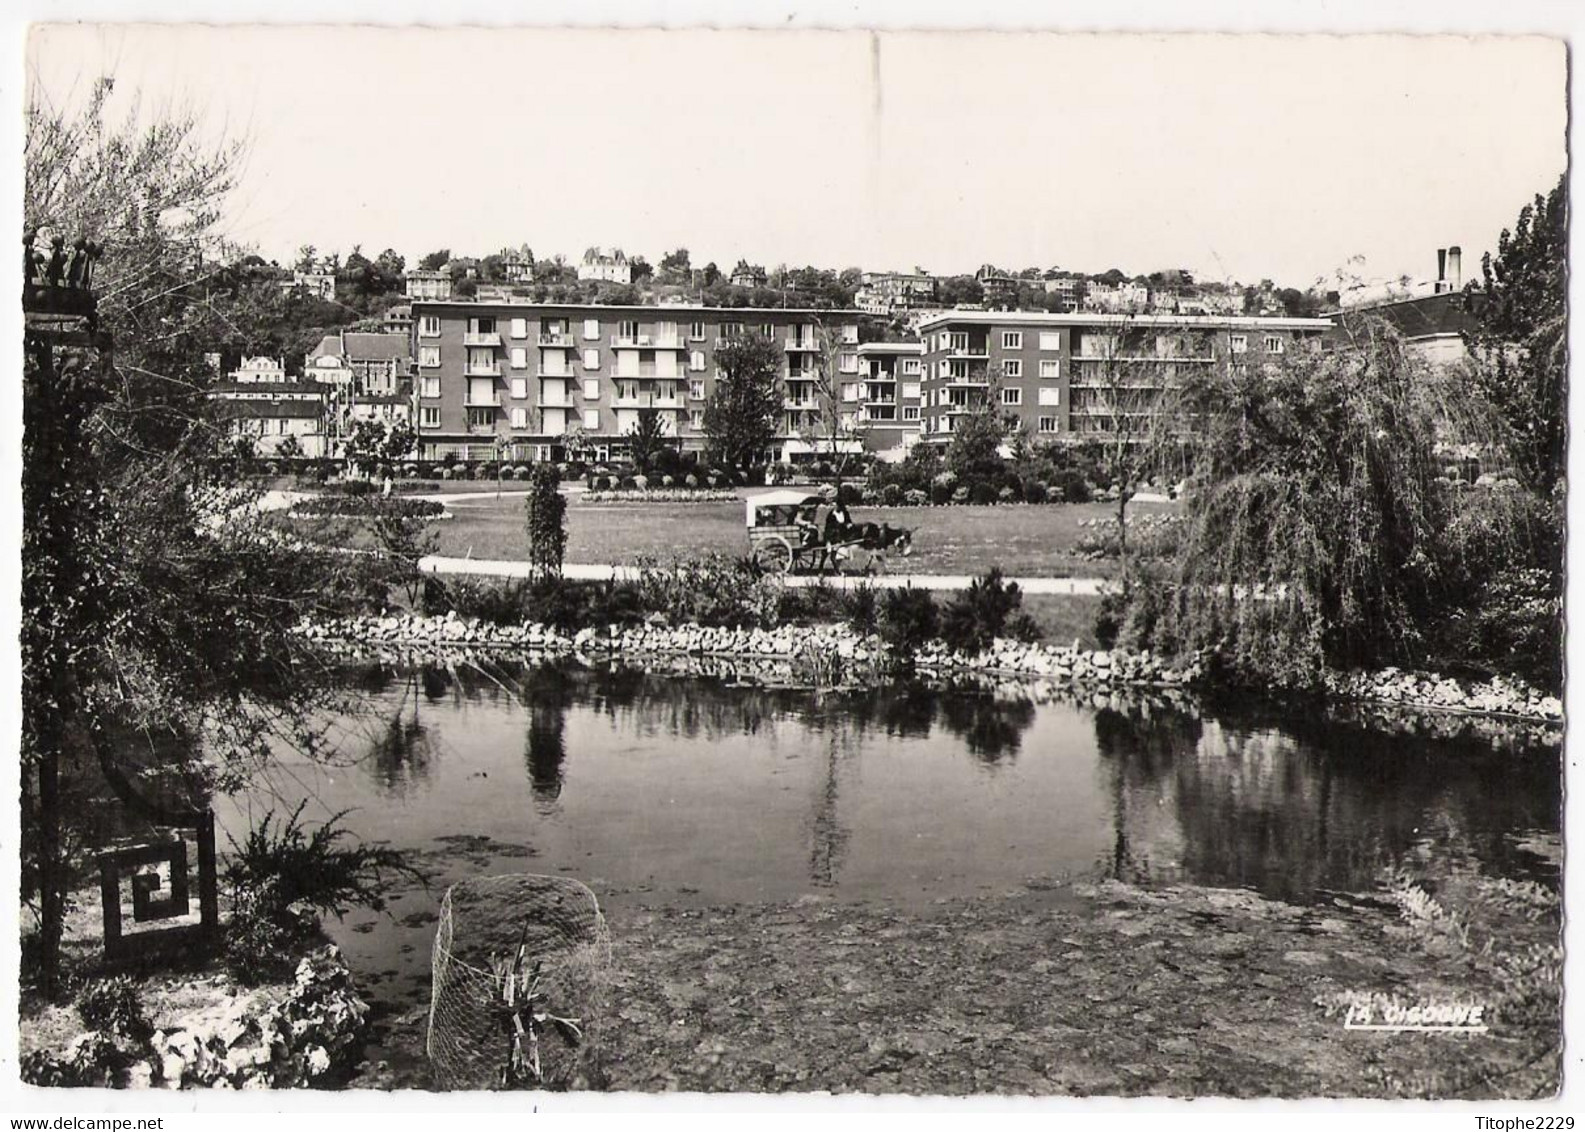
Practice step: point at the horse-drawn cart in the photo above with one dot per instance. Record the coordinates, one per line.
(783, 536)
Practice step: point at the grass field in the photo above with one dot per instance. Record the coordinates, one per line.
(1027, 541)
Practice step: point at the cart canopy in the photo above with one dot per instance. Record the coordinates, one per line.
(776, 508)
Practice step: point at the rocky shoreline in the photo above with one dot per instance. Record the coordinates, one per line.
(836, 653)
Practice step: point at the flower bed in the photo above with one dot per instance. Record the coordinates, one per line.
(1150, 535)
(662, 495)
(360, 506)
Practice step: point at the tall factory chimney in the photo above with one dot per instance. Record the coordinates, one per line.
(1455, 256)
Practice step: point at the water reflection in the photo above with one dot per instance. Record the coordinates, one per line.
(643, 771)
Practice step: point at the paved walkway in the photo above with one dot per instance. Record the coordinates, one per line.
(583, 572)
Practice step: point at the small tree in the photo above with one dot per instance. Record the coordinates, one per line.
(1129, 389)
(375, 443)
(741, 416)
(545, 514)
(648, 438)
(834, 430)
(404, 539)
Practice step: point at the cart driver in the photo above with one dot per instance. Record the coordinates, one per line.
(839, 524)
(808, 528)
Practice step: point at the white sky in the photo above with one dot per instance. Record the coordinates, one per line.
(1235, 156)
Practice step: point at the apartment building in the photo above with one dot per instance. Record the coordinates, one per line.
(890, 397)
(542, 381)
(1059, 373)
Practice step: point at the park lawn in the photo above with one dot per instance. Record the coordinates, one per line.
(1028, 541)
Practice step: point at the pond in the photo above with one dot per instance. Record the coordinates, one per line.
(655, 788)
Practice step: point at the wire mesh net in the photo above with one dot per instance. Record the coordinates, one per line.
(521, 970)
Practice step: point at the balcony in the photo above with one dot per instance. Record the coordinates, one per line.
(563, 374)
(475, 339)
(802, 344)
(556, 341)
(805, 406)
(647, 342)
(488, 401)
(562, 402)
(480, 369)
(969, 352)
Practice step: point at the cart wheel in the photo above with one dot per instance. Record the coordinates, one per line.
(774, 557)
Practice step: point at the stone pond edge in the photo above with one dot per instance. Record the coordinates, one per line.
(839, 646)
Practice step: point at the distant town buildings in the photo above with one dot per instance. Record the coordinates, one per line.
(369, 378)
(259, 402)
(747, 275)
(317, 280)
(432, 286)
(891, 293)
(891, 396)
(601, 266)
(1068, 290)
(518, 270)
(999, 289)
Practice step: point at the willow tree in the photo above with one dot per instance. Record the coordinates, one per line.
(1317, 508)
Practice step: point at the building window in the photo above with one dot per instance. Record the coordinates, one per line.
(696, 390)
(1012, 339)
(696, 418)
(520, 387)
(591, 419)
(591, 389)
(429, 386)
(1013, 368)
(627, 328)
(1273, 344)
(429, 416)
(520, 328)
(848, 363)
(591, 329)
(1049, 367)
(910, 391)
(910, 412)
(429, 326)
(767, 329)
(519, 417)
(850, 334)
(1048, 424)
(850, 392)
(958, 343)
(696, 331)
(1012, 396)
(1051, 396)
(627, 391)
(591, 359)
(912, 367)
(696, 360)
(1050, 340)
(1240, 343)
(429, 356)
(519, 358)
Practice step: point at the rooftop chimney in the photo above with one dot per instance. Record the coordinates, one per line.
(1454, 271)
(1441, 270)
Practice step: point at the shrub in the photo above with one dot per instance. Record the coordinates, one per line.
(863, 609)
(629, 483)
(711, 590)
(293, 866)
(849, 493)
(640, 481)
(690, 480)
(459, 471)
(668, 481)
(1035, 492)
(915, 497)
(978, 615)
(892, 495)
(960, 495)
(113, 1005)
(1007, 495)
(909, 620)
(365, 504)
